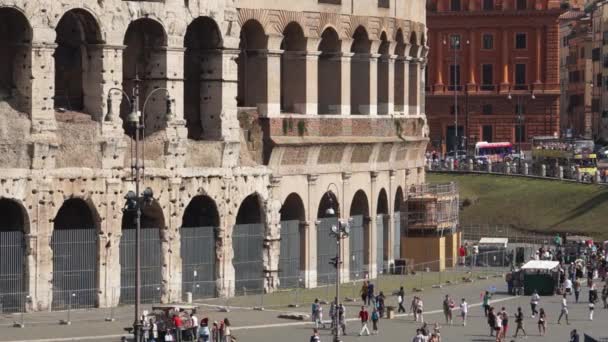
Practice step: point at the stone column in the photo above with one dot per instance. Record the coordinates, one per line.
(504, 85)
(310, 272)
(109, 245)
(345, 214)
(387, 103)
(171, 290)
(310, 87)
(271, 104)
(38, 244)
(345, 78)
(372, 234)
(406, 85)
(414, 87)
(373, 85)
(42, 87)
(391, 221)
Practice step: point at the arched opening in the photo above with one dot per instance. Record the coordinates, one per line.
(414, 75)
(291, 262)
(198, 247)
(248, 245)
(359, 239)
(326, 246)
(360, 73)
(397, 232)
(202, 79)
(75, 255)
(400, 73)
(145, 61)
(293, 70)
(12, 253)
(383, 75)
(330, 73)
(15, 57)
(252, 65)
(152, 221)
(382, 232)
(78, 85)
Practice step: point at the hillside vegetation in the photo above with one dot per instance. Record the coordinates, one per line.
(531, 204)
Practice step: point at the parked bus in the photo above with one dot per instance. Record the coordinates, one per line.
(495, 152)
(555, 152)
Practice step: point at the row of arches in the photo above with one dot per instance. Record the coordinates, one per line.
(82, 68)
(76, 245)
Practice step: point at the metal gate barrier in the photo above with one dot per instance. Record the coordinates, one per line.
(379, 243)
(151, 264)
(289, 259)
(198, 261)
(326, 250)
(74, 268)
(357, 248)
(12, 285)
(248, 244)
(397, 236)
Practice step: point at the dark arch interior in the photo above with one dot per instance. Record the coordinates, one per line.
(400, 43)
(293, 209)
(250, 211)
(384, 44)
(75, 213)
(329, 74)
(361, 43)
(15, 38)
(203, 37)
(293, 38)
(328, 200)
(293, 70)
(201, 212)
(151, 217)
(12, 214)
(398, 199)
(250, 73)
(360, 205)
(76, 31)
(382, 203)
(330, 41)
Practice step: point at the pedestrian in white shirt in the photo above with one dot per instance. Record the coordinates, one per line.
(564, 311)
(568, 286)
(464, 311)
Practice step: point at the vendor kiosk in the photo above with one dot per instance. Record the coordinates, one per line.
(540, 275)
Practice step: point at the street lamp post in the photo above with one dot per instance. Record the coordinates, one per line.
(519, 100)
(135, 201)
(455, 44)
(340, 230)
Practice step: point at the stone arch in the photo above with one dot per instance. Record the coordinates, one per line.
(293, 69)
(202, 91)
(199, 239)
(360, 72)
(78, 70)
(75, 255)
(152, 223)
(383, 74)
(14, 227)
(329, 78)
(293, 237)
(414, 46)
(145, 60)
(359, 239)
(400, 52)
(382, 231)
(16, 39)
(252, 65)
(248, 243)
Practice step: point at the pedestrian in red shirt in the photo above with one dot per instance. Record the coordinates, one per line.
(179, 325)
(462, 253)
(364, 316)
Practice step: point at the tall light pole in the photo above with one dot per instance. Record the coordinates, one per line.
(519, 100)
(339, 230)
(135, 201)
(455, 44)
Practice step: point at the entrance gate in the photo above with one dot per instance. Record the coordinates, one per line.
(151, 277)
(12, 250)
(382, 235)
(247, 243)
(326, 250)
(356, 245)
(74, 268)
(289, 260)
(198, 261)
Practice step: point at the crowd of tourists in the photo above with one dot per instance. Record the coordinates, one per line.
(182, 326)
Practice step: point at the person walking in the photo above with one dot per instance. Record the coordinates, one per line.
(314, 312)
(574, 337)
(342, 318)
(414, 308)
(364, 292)
(419, 337)
(179, 325)
(568, 286)
(464, 311)
(227, 331)
(564, 311)
(375, 319)
(498, 327)
(364, 317)
(448, 305)
(534, 303)
(491, 320)
(420, 309)
(605, 296)
(380, 303)
(577, 289)
(542, 322)
(591, 310)
(195, 326)
(486, 303)
(505, 322)
(519, 320)
(315, 336)
(203, 332)
(401, 300)
(370, 294)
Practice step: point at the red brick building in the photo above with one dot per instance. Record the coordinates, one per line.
(494, 69)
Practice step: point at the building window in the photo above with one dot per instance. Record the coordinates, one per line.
(455, 42)
(522, 4)
(487, 109)
(487, 41)
(520, 133)
(455, 5)
(486, 133)
(454, 77)
(520, 76)
(487, 77)
(520, 40)
(384, 3)
(488, 5)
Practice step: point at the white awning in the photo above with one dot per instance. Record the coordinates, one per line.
(494, 241)
(540, 265)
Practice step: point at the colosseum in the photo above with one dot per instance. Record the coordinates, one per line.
(258, 116)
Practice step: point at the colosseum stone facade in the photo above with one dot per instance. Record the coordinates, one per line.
(267, 112)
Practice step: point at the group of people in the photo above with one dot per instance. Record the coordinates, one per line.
(186, 327)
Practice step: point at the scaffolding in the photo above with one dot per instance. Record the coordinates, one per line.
(432, 209)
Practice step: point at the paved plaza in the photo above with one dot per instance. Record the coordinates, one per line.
(258, 326)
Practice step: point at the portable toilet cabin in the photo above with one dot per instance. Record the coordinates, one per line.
(540, 275)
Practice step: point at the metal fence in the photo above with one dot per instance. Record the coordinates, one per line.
(74, 268)
(397, 235)
(248, 243)
(326, 250)
(198, 261)
(289, 259)
(478, 231)
(357, 247)
(151, 265)
(12, 251)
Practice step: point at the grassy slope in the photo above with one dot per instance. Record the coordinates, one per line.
(530, 204)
